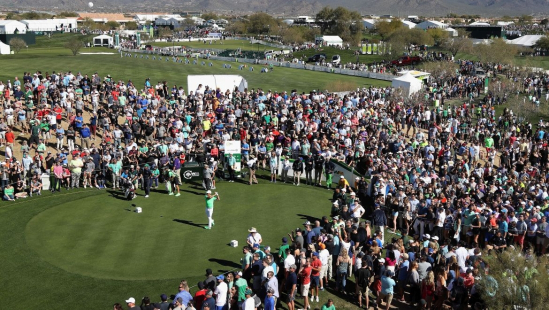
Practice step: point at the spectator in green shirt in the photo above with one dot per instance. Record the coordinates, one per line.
(329, 305)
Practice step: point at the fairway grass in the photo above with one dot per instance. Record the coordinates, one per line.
(138, 69)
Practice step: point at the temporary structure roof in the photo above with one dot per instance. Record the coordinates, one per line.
(408, 83)
(527, 40)
(223, 82)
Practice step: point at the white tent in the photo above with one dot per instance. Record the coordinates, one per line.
(103, 40)
(329, 40)
(12, 27)
(223, 82)
(527, 40)
(408, 83)
(4, 49)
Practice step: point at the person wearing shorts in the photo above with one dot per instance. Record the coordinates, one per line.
(386, 293)
(305, 275)
(291, 287)
(316, 267)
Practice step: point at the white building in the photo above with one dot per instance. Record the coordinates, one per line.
(369, 23)
(428, 24)
(61, 24)
(329, 40)
(409, 24)
(12, 27)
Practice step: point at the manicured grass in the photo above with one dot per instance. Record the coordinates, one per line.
(138, 69)
(245, 45)
(69, 246)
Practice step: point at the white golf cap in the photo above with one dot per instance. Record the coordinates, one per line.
(209, 192)
(130, 300)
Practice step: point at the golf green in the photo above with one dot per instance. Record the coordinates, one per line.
(104, 238)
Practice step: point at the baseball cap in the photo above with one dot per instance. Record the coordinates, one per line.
(220, 277)
(293, 266)
(179, 300)
(284, 240)
(130, 300)
(256, 245)
(239, 273)
(209, 192)
(209, 292)
(163, 297)
(248, 292)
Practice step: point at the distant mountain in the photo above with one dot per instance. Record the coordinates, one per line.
(296, 7)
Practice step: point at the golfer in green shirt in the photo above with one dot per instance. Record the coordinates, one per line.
(210, 207)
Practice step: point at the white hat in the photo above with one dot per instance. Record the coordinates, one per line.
(252, 230)
(130, 300)
(427, 236)
(342, 177)
(353, 194)
(435, 238)
(209, 192)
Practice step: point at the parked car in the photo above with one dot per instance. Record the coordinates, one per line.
(317, 58)
(479, 72)
(406, 61)
(336, 60)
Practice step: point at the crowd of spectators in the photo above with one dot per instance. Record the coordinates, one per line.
(455, 181)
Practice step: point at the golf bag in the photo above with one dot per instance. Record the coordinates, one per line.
(129, 190)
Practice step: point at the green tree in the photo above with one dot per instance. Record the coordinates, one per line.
(525, 19)
(262, 23)
(385, 28)
(165, 32)
(458, 44)
(542, 43)
(88, 23)
(208, 16)
(17, 44)
(113, 24)
(342, 22)
(438, 34)
(236, 27)
(130, 25)
(74, 45)
(67, 14)
(514, 281)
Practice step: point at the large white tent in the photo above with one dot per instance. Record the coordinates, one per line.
(223, 82)
(4, 49)
(408, 83)
(329, 40)
(527, 40)
(103, 40)
(12, 27)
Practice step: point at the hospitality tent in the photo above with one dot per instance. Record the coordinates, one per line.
(103, 40)
(408, 83)
(4, 49)
(223, 82)
(526, 41)
(329, 40)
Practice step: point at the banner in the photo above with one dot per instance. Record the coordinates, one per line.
(369, 51)
(116, 39)
(234, 147)
(363, 48)
(374, 48)
(486, 84)
(138, 39)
